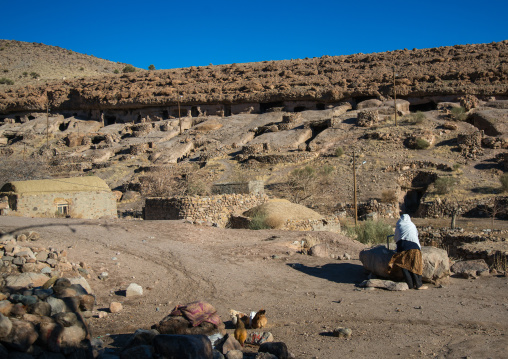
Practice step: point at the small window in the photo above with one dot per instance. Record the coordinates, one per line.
(62, 209)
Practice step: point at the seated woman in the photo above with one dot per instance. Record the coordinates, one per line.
(409, 255)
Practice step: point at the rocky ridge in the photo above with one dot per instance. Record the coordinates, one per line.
(480, 70)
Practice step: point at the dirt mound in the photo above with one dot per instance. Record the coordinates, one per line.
(284, 210)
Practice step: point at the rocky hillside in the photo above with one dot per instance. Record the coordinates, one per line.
(293, 124)
(480, 70)
(31, 63)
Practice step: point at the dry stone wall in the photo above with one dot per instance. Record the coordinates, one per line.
(215, 209)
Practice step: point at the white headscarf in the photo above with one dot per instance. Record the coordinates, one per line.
(406, 230)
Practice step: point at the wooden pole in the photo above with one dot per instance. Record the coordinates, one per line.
(47, 124)
(354, 191)
(394, 97)
(179, 117)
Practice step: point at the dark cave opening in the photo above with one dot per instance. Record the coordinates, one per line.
(427, 106)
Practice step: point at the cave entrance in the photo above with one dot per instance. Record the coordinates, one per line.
(414, 186)
(427, 106)
(194, 111)
(266, 106)
(412, 199)
(109, 120)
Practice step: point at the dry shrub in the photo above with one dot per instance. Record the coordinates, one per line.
(275, 221)
(389, 196)
(310, 241)
(499, 263)
(33, 168)
(172, 181)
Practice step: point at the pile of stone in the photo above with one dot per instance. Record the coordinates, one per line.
(368, 118)
(48, 318)
(150, 344)
(40, 313)
(19, 255)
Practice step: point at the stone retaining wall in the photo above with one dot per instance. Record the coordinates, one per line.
(369, 210)
(468, 208)
(213, 209)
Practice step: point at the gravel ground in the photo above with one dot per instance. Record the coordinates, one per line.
(305, 297)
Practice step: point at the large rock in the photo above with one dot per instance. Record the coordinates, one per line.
(21, 336)
(384, 284)
(24, 280)
(278, 349)
(436, 264)
(472, 266)
(133, 290)
(320, 250)
(376, 260)
(5, 326)
(493, 121)
(227, 344)
(372, 103)
(180, 325)
(183, 346)
(138, 352)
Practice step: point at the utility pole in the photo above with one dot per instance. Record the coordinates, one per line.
(394, 96)
(179, 117)
(354, 191)
(47, 124)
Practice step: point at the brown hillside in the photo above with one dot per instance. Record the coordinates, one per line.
(31, 63)
(462, 69)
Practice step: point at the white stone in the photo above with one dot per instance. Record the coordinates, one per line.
(133, 290)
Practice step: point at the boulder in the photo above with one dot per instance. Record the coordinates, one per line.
(141, 337)
(180, 325)
(319, 250)
(372, 103)
(80, 281)
(493, 122)
(234, 354)
(376, 260)
(21, 336)
(278, 349)
(115, 307)
(384, 284)
(25, 280)
(342, 332)
(133, 290)
(367, 118)
(228, 343)
(436, 264)
(138, 352)
(5, 326)
(183, 346)
(470, 268)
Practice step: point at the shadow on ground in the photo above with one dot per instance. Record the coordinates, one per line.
(334, 272)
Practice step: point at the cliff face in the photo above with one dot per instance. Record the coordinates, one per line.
(480, 70)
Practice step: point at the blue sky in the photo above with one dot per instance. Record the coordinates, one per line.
(173, 34)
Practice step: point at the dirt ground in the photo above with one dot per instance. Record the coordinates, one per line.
(305, 297)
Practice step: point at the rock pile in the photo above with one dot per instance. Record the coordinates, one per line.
(40, 312)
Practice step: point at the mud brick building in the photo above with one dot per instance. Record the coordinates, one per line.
(79, 197)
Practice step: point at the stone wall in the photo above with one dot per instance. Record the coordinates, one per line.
(468, 208)
(213, 209)
(369, 210)
(91, 205)
(251, 187)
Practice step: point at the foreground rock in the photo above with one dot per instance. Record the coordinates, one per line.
(435, 263)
